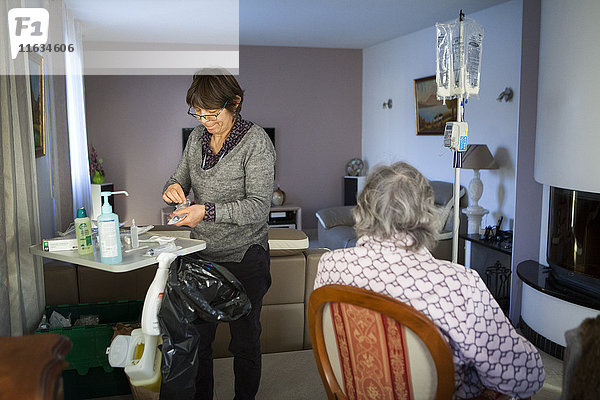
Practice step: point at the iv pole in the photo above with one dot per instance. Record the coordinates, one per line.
(458, 155)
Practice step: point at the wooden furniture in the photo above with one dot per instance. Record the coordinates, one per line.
(377, 346)
(31, 366)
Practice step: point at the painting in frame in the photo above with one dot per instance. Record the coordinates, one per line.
(431, 114)
(36, 82)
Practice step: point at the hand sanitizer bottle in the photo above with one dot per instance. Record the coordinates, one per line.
(83, 231)
(108, 232)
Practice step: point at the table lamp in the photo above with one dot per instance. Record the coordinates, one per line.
(476, 157)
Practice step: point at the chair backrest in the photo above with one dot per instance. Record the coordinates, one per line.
(371, 346)
(31, 366)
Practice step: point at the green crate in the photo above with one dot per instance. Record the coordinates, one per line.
(110, 312)
(90, 341)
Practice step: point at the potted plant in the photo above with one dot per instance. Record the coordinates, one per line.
(96, 169)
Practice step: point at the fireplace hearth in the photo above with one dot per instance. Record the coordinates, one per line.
(551, 304)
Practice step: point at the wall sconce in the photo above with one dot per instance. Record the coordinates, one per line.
(387, 104)
(507, 95)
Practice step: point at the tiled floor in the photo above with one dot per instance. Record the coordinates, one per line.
(553, 383)
(291, 375)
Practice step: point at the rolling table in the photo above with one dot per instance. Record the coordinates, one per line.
(131, 261)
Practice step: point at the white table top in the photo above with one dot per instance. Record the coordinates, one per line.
(131, 260)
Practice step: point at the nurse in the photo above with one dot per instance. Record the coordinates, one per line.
(228, 163)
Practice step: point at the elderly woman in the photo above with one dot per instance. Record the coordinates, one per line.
(228, 163)
(396, 223)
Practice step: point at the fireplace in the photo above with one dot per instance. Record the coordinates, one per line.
(559, 285)
(573, 250)
(559, 296)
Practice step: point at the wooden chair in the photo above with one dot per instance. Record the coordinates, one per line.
(31, 366)
(371, 346)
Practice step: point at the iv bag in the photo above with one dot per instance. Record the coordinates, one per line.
(458, 58)
(474, 39)
(443, 61)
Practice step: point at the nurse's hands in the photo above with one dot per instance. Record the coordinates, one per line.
(174, 194)
(195, 214)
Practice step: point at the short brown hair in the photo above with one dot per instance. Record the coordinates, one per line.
(211, 89)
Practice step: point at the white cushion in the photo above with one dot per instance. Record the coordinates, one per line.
(286, 241)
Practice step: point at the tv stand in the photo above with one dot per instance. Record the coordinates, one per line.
(289, 216)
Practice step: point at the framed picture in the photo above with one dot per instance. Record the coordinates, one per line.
(36, 81)
(431, 113)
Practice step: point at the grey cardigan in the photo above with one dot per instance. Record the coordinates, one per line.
(241, 187)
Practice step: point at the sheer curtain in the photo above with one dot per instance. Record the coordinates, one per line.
(21, 274)
(80, 174)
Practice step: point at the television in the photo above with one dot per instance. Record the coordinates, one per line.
(271, 133)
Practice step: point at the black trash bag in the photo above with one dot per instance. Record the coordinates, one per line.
(197, 292)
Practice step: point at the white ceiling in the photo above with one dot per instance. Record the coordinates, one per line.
(304, 23)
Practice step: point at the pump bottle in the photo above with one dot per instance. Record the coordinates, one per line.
(108, 232)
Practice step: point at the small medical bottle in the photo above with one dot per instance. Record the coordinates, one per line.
(133, 230)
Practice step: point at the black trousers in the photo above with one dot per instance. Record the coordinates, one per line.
(254, 273)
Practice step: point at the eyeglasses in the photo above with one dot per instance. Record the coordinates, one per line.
(212, 117)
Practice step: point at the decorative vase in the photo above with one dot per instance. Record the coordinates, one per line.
(355, 167)
(278, 197)
(98, 178)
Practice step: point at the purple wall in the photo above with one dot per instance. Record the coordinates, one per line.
(312, 97)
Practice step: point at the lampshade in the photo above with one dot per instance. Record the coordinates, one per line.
(478, 156)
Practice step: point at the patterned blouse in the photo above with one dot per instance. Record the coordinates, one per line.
(210, 159)
(487, 351)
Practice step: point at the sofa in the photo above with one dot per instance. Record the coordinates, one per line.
(283, 317)
(335, 227)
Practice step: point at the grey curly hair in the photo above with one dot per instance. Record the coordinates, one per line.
(397, 199)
